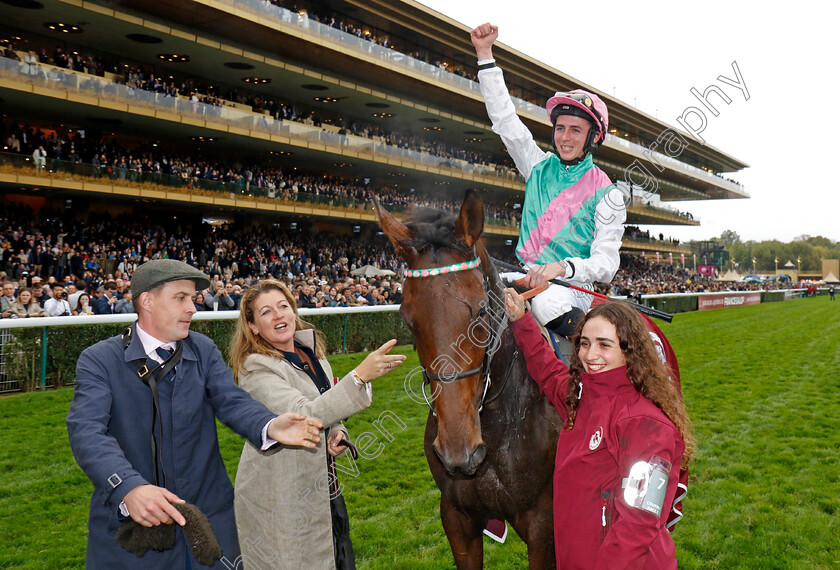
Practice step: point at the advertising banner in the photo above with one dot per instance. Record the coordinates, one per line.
(706, 269)
(720, 300)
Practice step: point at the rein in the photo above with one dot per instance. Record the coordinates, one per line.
(484, 368)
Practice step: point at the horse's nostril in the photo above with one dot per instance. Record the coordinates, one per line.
(479, 454)
(475, 459)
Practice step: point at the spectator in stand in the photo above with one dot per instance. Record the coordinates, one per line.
(231, 293)
(13, 143)
(220, 301)
(124, 305)
(38, 293)
(25, 306)
(105, 305)
(57, 305)
(367, 294)
(306, 301)
(36, 260)
(83, 306)
(330, 296)
(70, 287)
(396, 293)
(122, 287)
(39, 158)
(199, 302)
(73, 296)
(359, 294)
(7, 300)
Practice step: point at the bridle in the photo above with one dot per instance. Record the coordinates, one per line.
(494, 311)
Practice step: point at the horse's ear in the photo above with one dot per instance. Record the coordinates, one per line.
(397, 232)
(470, 222)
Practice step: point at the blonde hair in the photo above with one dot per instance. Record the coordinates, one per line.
(245, 342)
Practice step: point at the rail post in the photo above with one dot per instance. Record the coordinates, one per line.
(344, 336)
(44, 336)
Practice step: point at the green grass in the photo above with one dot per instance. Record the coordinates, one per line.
(761, 384)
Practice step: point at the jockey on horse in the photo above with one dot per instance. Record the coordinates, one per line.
(573, 216)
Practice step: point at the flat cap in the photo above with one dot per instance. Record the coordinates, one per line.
(159, 271)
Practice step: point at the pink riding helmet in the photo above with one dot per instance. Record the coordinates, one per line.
(587, 102)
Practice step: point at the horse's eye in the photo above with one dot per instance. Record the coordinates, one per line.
(482, 312)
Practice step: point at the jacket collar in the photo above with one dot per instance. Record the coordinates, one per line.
(577, 165)
(607, 383)
(135, 350)
(306, 337)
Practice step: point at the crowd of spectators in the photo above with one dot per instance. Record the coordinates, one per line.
(638, 276)
(371, 34)
(146, 77)
(635, 232)
(53, 266)
(154, 162)
(85, 268)
(141, 77)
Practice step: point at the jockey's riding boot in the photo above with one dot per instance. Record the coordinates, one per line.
(565, 324)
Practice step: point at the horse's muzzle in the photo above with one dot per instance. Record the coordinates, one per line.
(468, 463)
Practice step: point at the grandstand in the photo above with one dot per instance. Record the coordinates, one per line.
(293, 115)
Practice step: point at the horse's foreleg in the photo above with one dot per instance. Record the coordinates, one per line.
(465, 536)
(536, 528)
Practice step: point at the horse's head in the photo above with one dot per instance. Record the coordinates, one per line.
(447, 308)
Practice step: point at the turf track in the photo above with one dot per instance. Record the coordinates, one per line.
(762, 384)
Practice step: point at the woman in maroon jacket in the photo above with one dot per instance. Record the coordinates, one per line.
(625, 436)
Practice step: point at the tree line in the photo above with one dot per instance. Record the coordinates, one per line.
(805, 252)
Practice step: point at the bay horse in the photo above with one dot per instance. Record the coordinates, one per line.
(490, 436)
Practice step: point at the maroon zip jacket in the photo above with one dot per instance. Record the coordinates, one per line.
(615, 428)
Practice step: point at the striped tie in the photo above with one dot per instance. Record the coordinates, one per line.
(165, 353)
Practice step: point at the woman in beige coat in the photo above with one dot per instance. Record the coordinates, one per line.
(282, 496)
(26, 306)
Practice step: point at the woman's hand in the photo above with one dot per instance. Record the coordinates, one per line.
(483, 38)
(514, 305)
(292, 428)
(539, 275)
(333, 447)
(379, 362)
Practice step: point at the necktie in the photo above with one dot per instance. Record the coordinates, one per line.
(165, 353)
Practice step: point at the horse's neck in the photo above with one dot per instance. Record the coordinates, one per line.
(509, 375)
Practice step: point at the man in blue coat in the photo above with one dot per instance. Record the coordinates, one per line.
(111, 423)
(106, 304)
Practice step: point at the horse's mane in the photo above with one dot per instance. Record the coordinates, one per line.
(434, 229)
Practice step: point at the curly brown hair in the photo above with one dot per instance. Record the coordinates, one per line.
(245, 342)
(645, 370)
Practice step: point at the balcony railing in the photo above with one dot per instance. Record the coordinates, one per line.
(674, 164)
(638, 202)
(292, 20)
(224, 118)
(125, 175)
